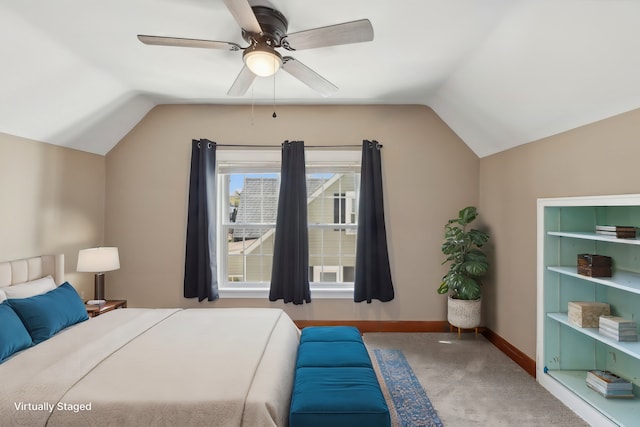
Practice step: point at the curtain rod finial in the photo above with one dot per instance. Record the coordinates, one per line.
(373, 144)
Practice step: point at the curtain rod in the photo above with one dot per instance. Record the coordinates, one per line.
(280, 146)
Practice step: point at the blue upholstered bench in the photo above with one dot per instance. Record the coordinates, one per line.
(335, 384)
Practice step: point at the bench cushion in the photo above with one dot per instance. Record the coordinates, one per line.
(339, 354)
(330, 333)
(338, 397)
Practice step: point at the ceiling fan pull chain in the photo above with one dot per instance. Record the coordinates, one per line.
(252, 104)
(274, 115)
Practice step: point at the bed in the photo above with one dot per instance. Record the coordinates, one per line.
(215, 367)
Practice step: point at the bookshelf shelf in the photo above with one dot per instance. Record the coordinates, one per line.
(596, 237)
(621, 279)
(624, 412)
(565, 351)
(630, 348)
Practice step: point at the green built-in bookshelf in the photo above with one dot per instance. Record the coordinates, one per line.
(566, 352)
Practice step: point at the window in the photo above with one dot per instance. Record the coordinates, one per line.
(248, 189)
(344, 210)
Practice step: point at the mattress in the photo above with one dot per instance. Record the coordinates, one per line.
(131, 367)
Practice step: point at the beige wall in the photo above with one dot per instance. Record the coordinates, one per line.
(52, 201)
(429, 174)
(597, 159)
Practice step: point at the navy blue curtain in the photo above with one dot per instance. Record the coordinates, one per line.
(200, 265)
(290, 272)
(373, 273)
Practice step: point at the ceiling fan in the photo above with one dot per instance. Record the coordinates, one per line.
(265, 29)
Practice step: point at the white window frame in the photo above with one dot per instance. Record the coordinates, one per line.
(268, 160)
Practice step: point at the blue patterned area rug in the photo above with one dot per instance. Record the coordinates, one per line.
(412, 406)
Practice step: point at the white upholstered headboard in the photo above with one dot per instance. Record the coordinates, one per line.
(24, 270)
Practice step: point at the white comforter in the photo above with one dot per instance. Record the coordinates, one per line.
(148, 367)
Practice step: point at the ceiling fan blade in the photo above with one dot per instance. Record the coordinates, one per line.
(307, 76)
(242, 82)
(180, 42)
(243, 14)
(333, 35)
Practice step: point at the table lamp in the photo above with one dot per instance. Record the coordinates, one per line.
(98, 260)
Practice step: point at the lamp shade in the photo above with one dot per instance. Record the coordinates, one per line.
(98, 260)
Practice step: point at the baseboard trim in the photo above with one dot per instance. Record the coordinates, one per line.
(524, 361)
(381, 325)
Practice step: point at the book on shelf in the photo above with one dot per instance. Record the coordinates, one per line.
(608, 380)
(618, 234)
(622, 337)
(612, 394)
(619, 231)
(618, 328)
(619, 331)
(617, 322)
(615, 228)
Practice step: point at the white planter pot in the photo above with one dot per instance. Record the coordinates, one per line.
(464, 314)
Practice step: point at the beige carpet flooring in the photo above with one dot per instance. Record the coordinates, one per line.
(472, 383)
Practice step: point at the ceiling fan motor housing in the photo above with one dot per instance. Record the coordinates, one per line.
(274, 27)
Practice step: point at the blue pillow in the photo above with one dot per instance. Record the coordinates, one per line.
(330, 333)
(46, 314)
(13, 335)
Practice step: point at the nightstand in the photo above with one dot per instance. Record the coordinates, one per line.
(96, 310)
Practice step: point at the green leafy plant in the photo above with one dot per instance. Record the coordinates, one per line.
(467, 263)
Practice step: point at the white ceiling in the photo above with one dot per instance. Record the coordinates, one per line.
(500, 73)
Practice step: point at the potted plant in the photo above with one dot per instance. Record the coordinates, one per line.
(467, 263)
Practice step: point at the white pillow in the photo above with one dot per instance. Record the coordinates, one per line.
(30, 289)
(3, 296)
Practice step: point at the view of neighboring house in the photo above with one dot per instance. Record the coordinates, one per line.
(332, 217)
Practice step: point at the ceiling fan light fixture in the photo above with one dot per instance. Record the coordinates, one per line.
(263, 61)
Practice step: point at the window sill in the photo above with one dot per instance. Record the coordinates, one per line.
(263, 293)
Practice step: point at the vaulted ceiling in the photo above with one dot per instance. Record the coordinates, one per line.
(500, 73)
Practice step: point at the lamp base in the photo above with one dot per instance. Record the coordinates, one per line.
(98, 288)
